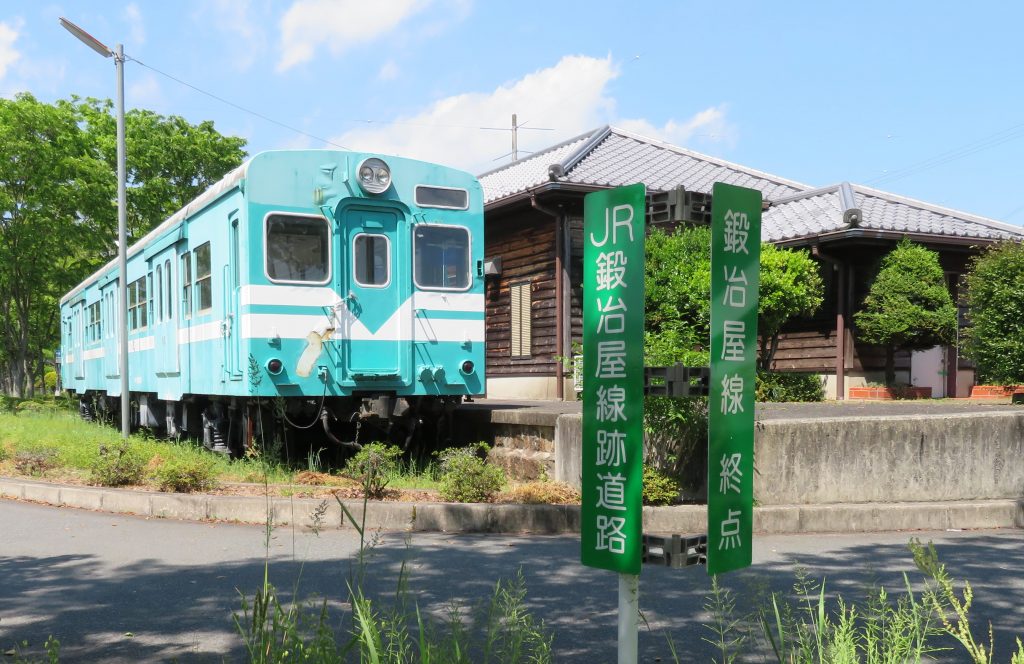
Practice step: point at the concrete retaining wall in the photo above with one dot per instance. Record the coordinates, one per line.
(867, 460)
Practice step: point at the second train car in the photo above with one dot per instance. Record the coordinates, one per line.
(344, 289)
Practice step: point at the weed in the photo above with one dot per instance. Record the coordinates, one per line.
(373, 467)
(659, 488)
(468, 478)
(37, 462)
(542, 493)
(185, 475)
(118, 466)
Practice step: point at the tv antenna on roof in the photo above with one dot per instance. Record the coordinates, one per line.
(515, 136)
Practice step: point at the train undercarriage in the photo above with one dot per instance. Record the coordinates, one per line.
(288, 427)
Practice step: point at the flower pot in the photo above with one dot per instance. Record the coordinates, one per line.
(890, 393)
(995, 391)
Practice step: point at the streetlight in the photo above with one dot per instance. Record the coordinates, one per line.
(122, 217)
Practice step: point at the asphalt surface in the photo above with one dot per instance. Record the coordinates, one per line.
(126, 589)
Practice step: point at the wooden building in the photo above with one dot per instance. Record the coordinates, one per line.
(534, 234)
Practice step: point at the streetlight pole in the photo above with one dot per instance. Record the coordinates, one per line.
(122, 215)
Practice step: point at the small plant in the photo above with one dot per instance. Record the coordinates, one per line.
(659, 488)
(373, 466)
(118, 466)
(781, 387)
(466, 477)
(185, 475)
(36, 462)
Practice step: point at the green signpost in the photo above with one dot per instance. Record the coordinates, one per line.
(611, 530)
(613, 383)
(735, 277)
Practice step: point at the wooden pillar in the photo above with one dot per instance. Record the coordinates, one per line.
(841, 331)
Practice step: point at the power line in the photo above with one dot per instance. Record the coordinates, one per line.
(234, 105)
(990, 141)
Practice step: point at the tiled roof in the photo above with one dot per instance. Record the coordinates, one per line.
(846, 206)
(611, 157)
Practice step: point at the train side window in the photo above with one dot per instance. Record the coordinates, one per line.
(169, 312)
(137, 304)
(159, 315)
(441, 255)
(298, 249)
(204, 284)
(93, 322)
(371, 260)
(186, 284)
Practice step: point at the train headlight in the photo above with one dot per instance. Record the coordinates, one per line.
(374, 176)
(274, 366)
(468, 367)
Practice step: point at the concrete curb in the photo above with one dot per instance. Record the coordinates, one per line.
(535, 519)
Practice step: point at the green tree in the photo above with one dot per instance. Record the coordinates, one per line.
(52, 190)
(678, 295)
(169, 161)
(908, 306)
(58, 213)
(995, 298)
(791, 287)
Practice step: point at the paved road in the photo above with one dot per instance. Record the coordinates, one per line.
(92, 579)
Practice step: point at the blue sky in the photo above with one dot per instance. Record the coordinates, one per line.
(921, 99)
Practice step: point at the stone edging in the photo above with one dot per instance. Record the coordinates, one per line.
(535, 519)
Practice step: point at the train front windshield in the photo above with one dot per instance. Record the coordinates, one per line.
(442, 257)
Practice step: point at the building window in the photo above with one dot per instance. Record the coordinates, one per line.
(371, 260)
(298, 249)
(521, 300)
(204, 284)
(186, 284)
(137, 304)
(441, 257)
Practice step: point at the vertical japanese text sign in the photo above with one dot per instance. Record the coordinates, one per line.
(613, 379)
(735, 278)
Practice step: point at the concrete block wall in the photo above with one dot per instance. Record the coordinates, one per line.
(867, 460)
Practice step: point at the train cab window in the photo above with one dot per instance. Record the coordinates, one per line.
(186, 284)
(204, 284)
(298, 249)
(448, 198)
(371, 260)
(441, 257)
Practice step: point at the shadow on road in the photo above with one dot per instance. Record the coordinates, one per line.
(150, 609)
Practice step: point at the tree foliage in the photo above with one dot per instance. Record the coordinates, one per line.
(678, 295)
(908, 306)
(58, 213)
(995, 298)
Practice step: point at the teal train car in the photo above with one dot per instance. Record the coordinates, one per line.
(336, 291)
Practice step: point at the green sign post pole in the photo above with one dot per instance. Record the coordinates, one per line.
(735, 277)
(613, 338)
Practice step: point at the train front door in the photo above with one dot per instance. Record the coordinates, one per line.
(372, 291)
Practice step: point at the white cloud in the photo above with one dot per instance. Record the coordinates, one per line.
(339, 25)
(136, 26)
(238, 19)
(709, 125)
(571, 97)
(388, 72)
(8, 53)
(144, 92)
